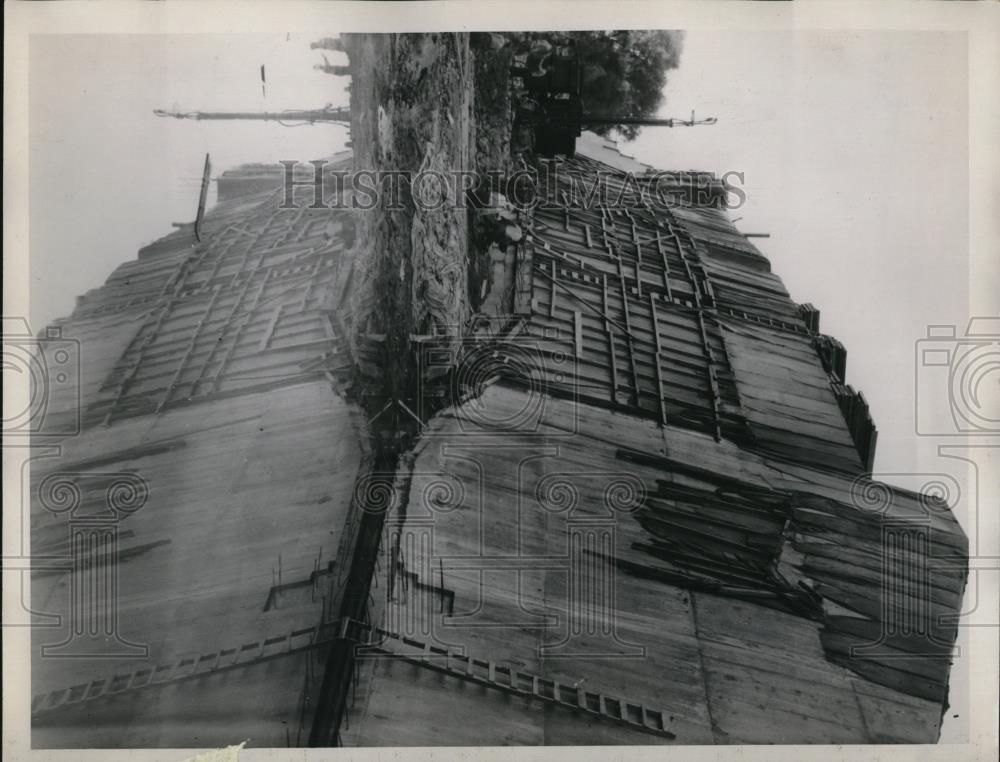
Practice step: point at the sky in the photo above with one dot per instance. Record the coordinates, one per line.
(108, 176)
(854, 152)
(854, 149)
(853, 146)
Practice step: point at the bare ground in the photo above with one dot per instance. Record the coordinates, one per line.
(421, 102)
(411, 103)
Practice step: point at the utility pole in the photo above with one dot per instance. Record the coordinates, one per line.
(309, 116)
(599, 119)
(557, 124)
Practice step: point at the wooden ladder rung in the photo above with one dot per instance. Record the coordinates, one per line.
(164, 669)
(250, 647)
(616, 709)
(57, 698)
(659, 719)
(578, 334)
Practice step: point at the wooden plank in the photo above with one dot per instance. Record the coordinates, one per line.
(713, 384)
(659, 387)
(591, 265)
(524, 278)
(182, 364)
(206, 176)
(929, 666)
(629, 340)
(578, 334)
(554, 279)
(897, 679)
(638, 261)
(307, 291)
(655, 324)
(234, 342)
(269, 331)
(613, 363)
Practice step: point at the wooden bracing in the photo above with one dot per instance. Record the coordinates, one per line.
(646, 294)
(243, 308)
(630, 307)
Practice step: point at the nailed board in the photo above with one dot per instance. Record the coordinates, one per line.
(762, 675)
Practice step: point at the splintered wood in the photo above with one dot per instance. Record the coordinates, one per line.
(675, 315)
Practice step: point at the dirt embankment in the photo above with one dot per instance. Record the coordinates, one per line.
(412, 111)
(411, 106)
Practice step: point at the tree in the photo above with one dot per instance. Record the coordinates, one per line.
(623, 72)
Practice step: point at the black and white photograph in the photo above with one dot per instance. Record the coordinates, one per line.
(447, 376)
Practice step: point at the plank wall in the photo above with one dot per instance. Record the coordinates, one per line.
(202, 384)
(661, 645)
